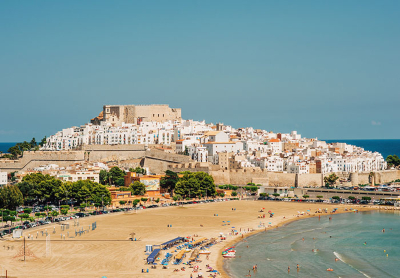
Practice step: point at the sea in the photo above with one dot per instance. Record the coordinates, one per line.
(5, 146)
(356, 240)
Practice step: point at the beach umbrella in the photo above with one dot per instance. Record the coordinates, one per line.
(270, 223)
(233, 227)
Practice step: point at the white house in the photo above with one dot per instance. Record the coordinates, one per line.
(3, 178)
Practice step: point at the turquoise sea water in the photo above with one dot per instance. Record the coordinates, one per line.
(342, 237)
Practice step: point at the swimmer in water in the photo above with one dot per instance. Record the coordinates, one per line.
(383, 230)
(298, 267)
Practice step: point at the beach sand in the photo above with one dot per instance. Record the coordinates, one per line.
(107, 251)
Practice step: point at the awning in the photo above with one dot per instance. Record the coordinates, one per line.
(153, 255)
(198, 241)
(180, 254)
(172, 241)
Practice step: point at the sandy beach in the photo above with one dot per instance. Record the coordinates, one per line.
(107, 250)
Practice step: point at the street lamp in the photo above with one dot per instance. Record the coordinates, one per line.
(102, 201)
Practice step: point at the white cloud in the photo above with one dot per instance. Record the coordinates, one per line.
(375, 123)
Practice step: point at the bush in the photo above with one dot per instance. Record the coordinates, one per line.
(65, 206)
(54, 213)
(175, 198)
(305, 196)
(222, 194)
(144, 199)
(234, 193)
(366, 198)
(157, 201)
(351, 198)
(9, 218)
(336, 197)
(320, 196)
(24, 215)
(64, 211)
(122, 202)
(276, 194)
(27, 210)
(38, 214)
(263, 194)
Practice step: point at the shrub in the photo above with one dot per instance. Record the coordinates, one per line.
(305, 196)
(320, 196)
(27, 210)
(122, 202)
(336, 197)
(234, 193)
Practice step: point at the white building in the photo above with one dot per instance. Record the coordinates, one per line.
(3, 178)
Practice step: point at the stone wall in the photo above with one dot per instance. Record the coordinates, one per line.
(33, 159)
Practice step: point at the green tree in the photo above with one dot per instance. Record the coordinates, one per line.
(393, 160)
(15, 152)
(122, 202)
(24, 215)
(135, 202)
(10, 197)
(54, 213)
(331, 179)
(33, 143)
(115, 174)
(320, 197)
(157, 200)
(366, 198)
(305, 196)
(43, 141)
(104, 177)
(336, 198)
(168, 182)
(27, 210)
(120, 182)
(64, 211)
(138, 188)
(276, 195)
(234, 193)
(143, 199)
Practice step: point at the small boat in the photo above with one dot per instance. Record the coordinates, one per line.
(329, 269)
(229, 255)
(204, 252)
(188, 250)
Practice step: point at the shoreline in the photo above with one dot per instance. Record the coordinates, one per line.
(220, 263)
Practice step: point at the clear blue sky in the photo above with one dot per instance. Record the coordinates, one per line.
(328, 69)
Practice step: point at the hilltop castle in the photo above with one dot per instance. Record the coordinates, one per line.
(135, 114)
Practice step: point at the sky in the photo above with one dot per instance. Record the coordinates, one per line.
(328, 69)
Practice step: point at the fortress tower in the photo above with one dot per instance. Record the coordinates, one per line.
(135, 114)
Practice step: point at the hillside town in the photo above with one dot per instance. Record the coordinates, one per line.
(217, 144)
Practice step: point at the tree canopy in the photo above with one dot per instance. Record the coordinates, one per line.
(198, 184)
(331, 179)
(40, 189)
(138, 188)
(393, 160)
(10, 197)
(169, 181)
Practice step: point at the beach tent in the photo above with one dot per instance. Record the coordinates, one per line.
(180, 255)
(172, 241)
(151, 258)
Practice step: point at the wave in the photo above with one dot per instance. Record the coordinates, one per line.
(337, 255)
